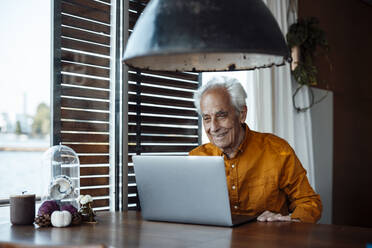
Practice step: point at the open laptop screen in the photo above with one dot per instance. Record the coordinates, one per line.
(187, 189)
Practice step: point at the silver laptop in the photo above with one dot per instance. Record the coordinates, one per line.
(186, 189)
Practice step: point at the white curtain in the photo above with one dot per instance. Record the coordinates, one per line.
(270, 103)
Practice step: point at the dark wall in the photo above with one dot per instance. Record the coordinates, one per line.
(348, 25)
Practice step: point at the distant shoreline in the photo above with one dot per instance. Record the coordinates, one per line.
(23, 149)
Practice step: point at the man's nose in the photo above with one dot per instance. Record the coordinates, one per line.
(214, 125)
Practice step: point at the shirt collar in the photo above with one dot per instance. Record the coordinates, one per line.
(247, 136)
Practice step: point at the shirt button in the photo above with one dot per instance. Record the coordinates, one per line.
(233, 166)
(233, 187)
(236, 207)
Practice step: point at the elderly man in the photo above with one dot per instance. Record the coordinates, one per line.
(264, 176)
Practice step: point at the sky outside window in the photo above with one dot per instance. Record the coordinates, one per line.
(25, 28)
(25, 55)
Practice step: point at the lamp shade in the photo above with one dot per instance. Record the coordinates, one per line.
(205, 35)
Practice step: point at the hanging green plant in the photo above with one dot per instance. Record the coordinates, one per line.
(303, 38)
(307, 36)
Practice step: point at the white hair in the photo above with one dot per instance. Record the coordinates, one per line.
(233, 87)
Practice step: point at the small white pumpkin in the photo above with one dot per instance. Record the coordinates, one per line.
(61, 218)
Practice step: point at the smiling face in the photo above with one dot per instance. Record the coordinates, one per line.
(221, 121)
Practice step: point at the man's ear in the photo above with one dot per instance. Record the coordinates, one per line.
(243, 114)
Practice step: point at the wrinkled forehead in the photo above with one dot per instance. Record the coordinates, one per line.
(215, 100)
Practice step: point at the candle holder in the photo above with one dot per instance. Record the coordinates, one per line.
(22, 209)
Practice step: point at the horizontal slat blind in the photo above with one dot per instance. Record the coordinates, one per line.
(85, 92)
(162, 118)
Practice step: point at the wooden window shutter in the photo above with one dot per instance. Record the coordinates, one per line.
(81, 89)
(161, 115)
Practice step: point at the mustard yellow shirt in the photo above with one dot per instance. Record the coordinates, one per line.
(267, 175)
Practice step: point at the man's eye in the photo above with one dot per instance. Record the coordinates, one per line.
(206, 118)
(221, 116)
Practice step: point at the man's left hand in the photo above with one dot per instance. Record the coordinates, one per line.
(270, 216)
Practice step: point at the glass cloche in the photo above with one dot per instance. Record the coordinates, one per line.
(62, 175)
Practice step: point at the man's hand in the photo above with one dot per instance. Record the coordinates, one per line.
(270, 216)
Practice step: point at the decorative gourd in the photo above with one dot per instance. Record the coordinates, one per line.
(61, 218)
(70, 208)
(48, 207)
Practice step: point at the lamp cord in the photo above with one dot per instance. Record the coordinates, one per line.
(312, 99)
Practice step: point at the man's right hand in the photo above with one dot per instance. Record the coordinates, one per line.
(270, 216)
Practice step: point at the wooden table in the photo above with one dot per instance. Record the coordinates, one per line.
(129, 230)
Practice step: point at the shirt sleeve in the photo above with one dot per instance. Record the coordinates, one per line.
(193, 152)
(305, 204)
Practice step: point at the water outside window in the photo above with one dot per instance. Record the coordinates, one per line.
(24, 95)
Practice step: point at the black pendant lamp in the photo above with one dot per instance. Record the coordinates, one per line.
(206, 35)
